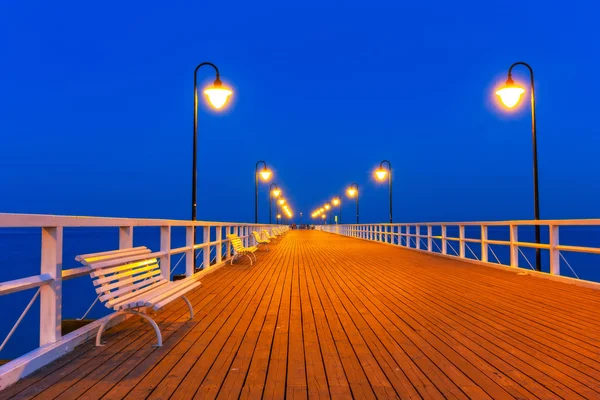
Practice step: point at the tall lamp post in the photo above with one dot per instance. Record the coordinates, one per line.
(273, 193)
(281, 202)
(217, 97)
(337, 202)
(265, 175)
(510, 94)
(353, 191)
(327, 208)
(381, 174)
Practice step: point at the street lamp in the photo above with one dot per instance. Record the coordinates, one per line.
(272, 193)
(510, 95)
(281, 202)
(323, 217)
(381, 174)
(353, 191)
(217, 97)
(337, 202)
(327, 207)
(265, 175)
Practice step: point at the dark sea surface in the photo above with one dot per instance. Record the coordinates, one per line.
(20, 257)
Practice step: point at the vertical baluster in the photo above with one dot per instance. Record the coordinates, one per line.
(514, 248)
(219, 240)
(189, 254)
(444, 241)
(418, 236)
(461, 241)
(165, 246)
(51, 293)
(206, 251)
(125, 237)
(429, 238)
(484, 243)
(407, 229)
(554, 253)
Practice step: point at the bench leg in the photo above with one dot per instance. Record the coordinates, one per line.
(189, 306)
(147, 318)
(249, 258)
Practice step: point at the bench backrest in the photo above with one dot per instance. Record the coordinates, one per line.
(257, 236)
(236, 242)
(118, 274)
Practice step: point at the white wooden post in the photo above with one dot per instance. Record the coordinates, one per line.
(407, 229)
(514, 248)
(228, 231)
(418, 236)
(484, 244)
(461, 240)
(165, 246)
(51, 293)
(189, 254)
(219, 239)
(429, 237)
(206, 249)
(444, 241)
(554, 253)
(125, 237)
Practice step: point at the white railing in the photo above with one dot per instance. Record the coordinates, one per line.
(49, 281)
(420, 236)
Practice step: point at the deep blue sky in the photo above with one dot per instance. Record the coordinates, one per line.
(96, 106)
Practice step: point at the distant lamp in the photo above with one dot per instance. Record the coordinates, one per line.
(380, 174)
(327, 206)
(352, 192)
(510, 94)
(335, 201)
(276, 193)
(265, 174)
(281, 202)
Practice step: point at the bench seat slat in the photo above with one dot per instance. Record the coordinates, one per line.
(128, 281)
(108, 294)
(140, 299)
(138, 287)
(124, 273)
(164, 302)
(124, 298)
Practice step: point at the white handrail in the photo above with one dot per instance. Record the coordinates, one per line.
(51, 275)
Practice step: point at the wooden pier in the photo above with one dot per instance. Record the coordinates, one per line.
(327, 316)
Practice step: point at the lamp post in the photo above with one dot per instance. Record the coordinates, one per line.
(337, 202)
(353, 191)
(217, 96)
(280, 202)
(327, 208)
(273, 193)
(380, 174)
(278, 219)
(510, 95)
(265, 174)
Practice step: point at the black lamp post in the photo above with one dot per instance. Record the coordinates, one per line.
(265, 175)
(353, 190)
(271, 199)
(217, 96)
(338, 200)
(380, 174)
(510, 95)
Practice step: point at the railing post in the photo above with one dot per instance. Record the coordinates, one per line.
(219, 240)
(444, 241)
(429, 238)
(189, 254)
(165, 246)
(407, 229)
(461, 240)
(418, 236)
(484, 244)
(206, 248)
(125, 237)
(228, 230)
(514, 248)
(51, 293)
(554, 253)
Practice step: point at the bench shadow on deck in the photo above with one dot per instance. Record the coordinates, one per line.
(328, 316)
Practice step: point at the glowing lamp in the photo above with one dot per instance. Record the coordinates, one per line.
(323, 216)
(281, 202)
(352, 192)
(276, 193)
(510, 94)
(217, 94)
(265, 174)
(381, 174)
(327, 206)
(336, 201)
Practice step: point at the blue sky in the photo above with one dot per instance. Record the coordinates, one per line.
(96, 107)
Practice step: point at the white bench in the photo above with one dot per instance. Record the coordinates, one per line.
(239, 249)
(259, 240)
(129, 280)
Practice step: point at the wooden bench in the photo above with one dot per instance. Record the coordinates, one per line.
(129, 280)
(259, 240)
(239, 249)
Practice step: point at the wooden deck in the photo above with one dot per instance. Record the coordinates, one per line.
(327, 316)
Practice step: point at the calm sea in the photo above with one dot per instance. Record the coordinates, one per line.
(20, 257)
